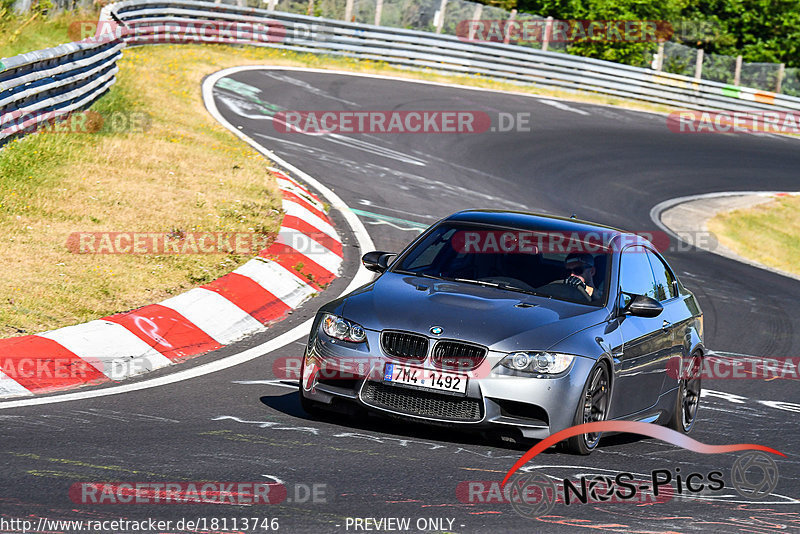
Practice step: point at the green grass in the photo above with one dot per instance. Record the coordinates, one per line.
(767, 233)
(186, 173)
(33, 31)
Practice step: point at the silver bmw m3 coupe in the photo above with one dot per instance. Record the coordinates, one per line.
(515, 322)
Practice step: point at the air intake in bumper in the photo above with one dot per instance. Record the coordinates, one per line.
(422, 403)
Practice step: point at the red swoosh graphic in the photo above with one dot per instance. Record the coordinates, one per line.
(634, 427)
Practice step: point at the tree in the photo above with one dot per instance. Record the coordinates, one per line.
(759, 30)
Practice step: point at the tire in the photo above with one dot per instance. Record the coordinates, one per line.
(687, 399)
(592, 406)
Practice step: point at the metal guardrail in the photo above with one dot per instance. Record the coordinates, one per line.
(416, 49)
(40, 87)
(70, 77)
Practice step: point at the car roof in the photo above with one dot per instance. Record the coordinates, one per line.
(539, 222)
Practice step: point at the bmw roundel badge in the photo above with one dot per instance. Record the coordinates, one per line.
(437, 330)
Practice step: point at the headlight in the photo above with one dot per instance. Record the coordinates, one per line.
(550, 363)
(340, 328)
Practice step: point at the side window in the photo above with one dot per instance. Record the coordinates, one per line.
(636, 275)
(665, 282)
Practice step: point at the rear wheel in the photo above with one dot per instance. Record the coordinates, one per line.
(687, 400)
(593, 407)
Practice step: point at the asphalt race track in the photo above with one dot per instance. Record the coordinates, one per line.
(603, 164)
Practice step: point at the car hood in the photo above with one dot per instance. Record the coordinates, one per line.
(501, 320)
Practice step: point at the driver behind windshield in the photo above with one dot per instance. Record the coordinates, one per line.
(580, 273)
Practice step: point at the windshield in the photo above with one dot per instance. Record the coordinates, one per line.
(541, 263)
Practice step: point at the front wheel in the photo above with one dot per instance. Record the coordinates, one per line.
(684, 413)
(592, 407)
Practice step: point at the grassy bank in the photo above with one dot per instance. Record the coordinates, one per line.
(766, 233)
(180, 173)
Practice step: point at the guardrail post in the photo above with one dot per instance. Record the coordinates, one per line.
(22, 6)
(440, 16)
(348, 11)
(698, 66)
(737, 71)
(781, 72)
(548, 29)
(378, 12)
(511, 18)
(659, 57)
(476, 16)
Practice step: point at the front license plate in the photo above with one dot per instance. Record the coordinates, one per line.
(425, 378)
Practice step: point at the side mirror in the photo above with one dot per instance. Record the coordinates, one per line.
(377, 261)
(644, 306)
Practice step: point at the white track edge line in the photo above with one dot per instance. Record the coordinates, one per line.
(661, 207)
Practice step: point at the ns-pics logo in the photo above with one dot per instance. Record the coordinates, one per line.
(754, 475)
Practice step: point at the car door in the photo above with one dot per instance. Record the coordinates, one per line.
(675, 313)
(646, 341)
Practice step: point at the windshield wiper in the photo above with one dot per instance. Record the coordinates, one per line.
(521, 290)
(499, 285)
(477, 282)
(484, 283)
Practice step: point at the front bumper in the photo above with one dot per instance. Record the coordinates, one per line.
(336, 372)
